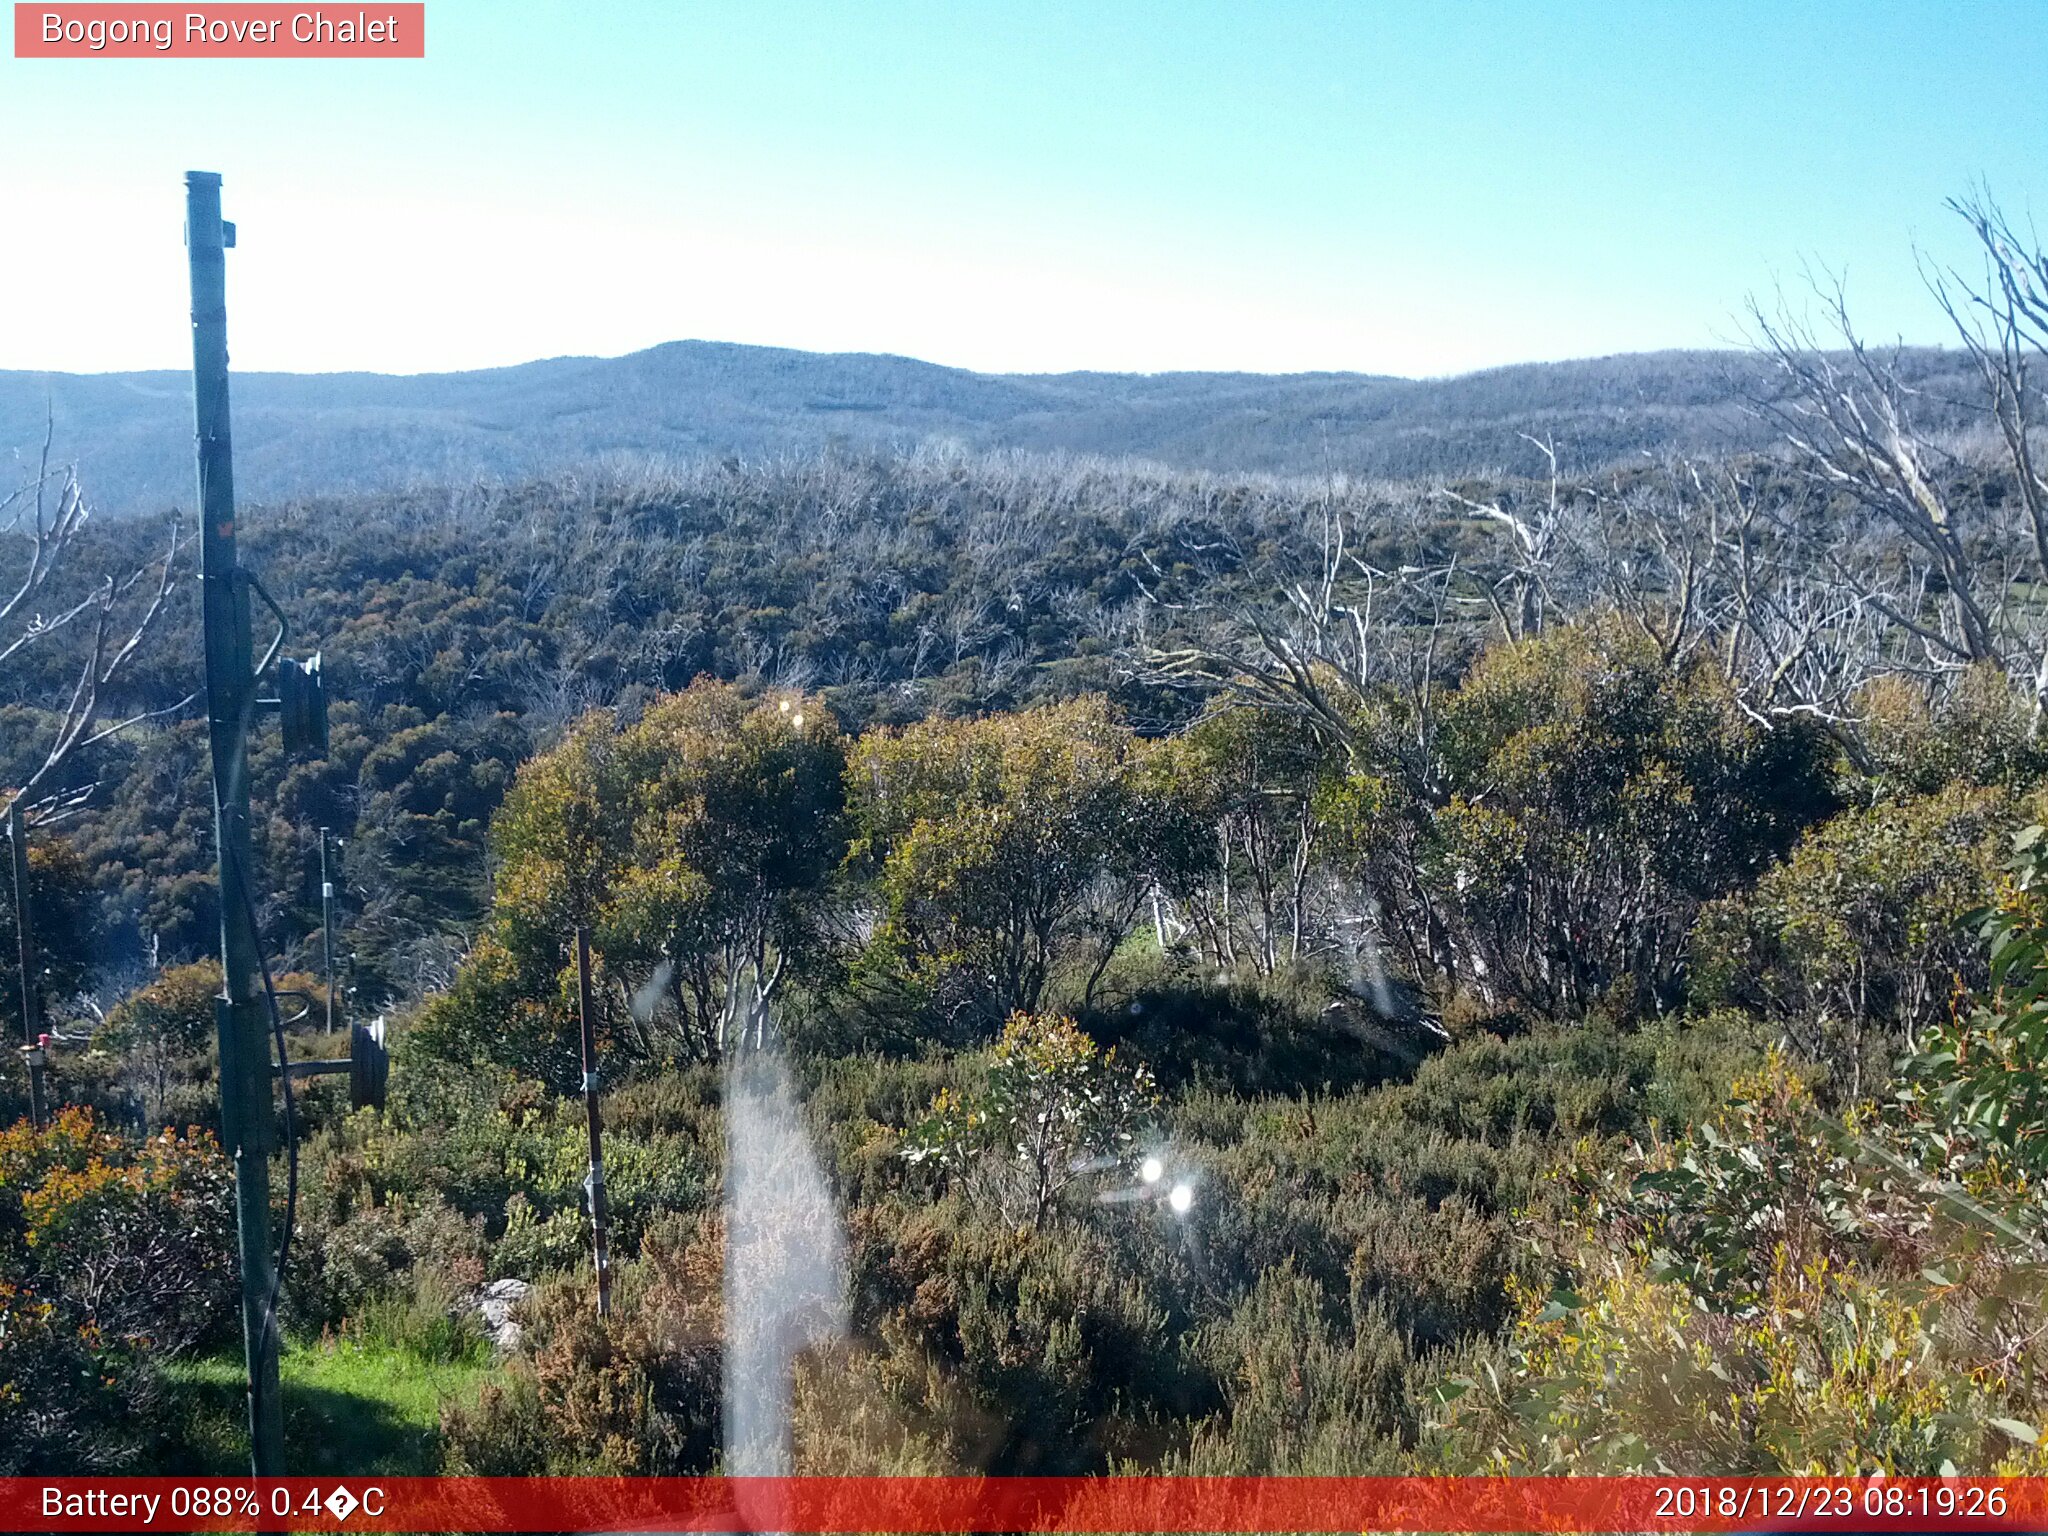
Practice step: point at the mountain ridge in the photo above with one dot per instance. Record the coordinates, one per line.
(328, 433)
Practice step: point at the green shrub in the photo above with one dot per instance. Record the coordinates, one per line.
(855, 1107)
(165, 1031)
(1980, 1080)
(1251, 779)
(1979, 731)
(1042, 1351)
(1047, 1110)
(1857, 941)
(532, 1245)
(1310, 1388)
(1577, 800)
(382, 1256)
(1834, 1373)
(60, 892)
(1002, 844)
(694, 843)
(1401, 1218)
(74, 1400)
(638, 1393)
(133, 1240)
(1779, 1292)
(1288, 1032)
(112, 1254)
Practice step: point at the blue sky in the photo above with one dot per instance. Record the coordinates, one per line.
(1398, 188)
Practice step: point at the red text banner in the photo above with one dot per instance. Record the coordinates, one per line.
(968, 1504)
(234, 31)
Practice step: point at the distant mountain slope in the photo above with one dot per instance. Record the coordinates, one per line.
(315, 433)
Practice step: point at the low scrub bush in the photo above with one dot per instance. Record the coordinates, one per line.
(1782, 1291)
(637, 1393)
(1858, 940)
(112, 1255)
(1046, 1111)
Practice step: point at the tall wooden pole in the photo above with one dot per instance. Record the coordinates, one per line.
(594, 1185)
(25, 932)
(246, 1110)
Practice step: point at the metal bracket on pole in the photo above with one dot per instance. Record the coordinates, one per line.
(368, 1065)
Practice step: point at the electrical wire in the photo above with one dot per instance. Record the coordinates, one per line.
(268, 1333)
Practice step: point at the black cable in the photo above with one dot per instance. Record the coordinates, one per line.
(291, 1138)
(269, 1331)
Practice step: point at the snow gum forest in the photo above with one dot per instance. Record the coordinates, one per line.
(1531, 965)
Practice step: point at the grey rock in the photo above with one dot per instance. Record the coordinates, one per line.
(495, 1304)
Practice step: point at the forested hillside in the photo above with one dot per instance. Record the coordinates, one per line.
(1242, 974)
(300, 434)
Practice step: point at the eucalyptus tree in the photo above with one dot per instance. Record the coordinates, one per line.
(695, 843)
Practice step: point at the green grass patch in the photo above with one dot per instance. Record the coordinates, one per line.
(350, 1408)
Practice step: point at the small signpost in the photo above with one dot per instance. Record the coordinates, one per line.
(593, 1185)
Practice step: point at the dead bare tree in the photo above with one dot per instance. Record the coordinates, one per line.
(1522, 595)
(1656, 554)
(116, 614)
(1926, 577)
(49, 508)
(1761, 576)
(1338, 645)
(2003, 325)
(1847, 415)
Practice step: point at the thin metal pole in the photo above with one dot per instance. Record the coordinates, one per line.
(24, 930)
(594, 1185)
(245, 1072)
(327, 931)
